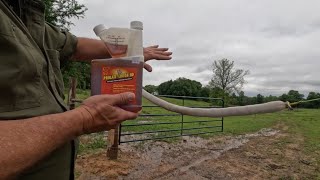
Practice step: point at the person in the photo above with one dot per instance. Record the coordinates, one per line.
(24, 142)
(37, 132)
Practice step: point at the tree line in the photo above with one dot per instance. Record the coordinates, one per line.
(186, 87)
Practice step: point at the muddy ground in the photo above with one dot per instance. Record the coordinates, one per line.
(266, 154)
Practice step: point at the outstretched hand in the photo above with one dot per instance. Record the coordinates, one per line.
(154, 52)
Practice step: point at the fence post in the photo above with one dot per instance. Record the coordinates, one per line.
(222, 118)
(182, 121)
(72, 92)
(112, 143)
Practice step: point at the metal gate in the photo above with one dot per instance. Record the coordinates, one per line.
(157, 123)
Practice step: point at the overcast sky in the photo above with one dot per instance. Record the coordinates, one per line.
(277, 40)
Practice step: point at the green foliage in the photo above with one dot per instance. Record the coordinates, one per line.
(59, 12)
(314, 104)
(205, 92)
(151, 89)
(260, 99)
(80, 70)
(270, 98)
(180, 87)
(241, 99)
(164, 88)
(292, 96)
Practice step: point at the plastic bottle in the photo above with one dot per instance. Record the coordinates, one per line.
(123, 72)
(116, 39)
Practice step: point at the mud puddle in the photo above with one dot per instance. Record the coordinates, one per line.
(160, 159)
(266, 154)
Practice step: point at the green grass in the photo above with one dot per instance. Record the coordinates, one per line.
(92, 142)
(305, 122)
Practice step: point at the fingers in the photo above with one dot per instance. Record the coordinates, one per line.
(125, 115)
(153, 46)
(147, 67)
(161, 49)
(117, 115)
(156, 49)
(113, 115)
(121, 99)
(167, 53)
(162, 56)
(154, 52)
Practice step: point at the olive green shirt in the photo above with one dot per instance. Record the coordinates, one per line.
(31, 83)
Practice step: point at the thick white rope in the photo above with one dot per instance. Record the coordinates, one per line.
(269, 107)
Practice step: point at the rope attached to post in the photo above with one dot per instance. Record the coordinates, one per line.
(304, 101)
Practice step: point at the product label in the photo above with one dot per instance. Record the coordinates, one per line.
(117, 80)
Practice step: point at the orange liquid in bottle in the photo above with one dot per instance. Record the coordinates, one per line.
(117, 51)
(114, 76)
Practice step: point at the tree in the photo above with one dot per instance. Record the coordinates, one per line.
(284, 97)
(80, 70)
(241, 98)
(260, 99)
(226, 77)
(180, 87)
(295, 96)
(164, 88)
(271, 98)
(313, 104)
(59, 13)
(150, 88)
(205, 91)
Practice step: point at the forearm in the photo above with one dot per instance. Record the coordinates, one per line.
(88, 49)
(25, 142)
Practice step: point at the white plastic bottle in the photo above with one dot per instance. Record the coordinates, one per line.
(116, 39)
(123, 72)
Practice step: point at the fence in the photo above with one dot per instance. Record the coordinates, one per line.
(165, 124)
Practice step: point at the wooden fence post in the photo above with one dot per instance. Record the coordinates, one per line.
(72, 92)
(113, 138)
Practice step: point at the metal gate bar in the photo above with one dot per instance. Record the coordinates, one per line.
(183, 121)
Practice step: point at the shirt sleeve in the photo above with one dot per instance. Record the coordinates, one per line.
(60, 40)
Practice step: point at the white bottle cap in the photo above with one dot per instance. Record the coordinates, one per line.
(98, 29)
(136, 25)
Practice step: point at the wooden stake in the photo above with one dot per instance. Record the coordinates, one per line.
(113, 138)
(72, 92)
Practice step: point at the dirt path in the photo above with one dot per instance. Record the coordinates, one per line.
(267, 154)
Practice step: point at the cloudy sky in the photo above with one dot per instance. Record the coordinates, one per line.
(277, 40)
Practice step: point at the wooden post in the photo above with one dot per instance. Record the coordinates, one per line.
(113, 138)
(72, 92)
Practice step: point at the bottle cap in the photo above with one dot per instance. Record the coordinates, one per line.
(136, 25)
(98, 29)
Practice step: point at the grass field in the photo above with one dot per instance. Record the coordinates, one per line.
(305, 122)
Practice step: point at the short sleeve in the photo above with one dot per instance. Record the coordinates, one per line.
(60, 40)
